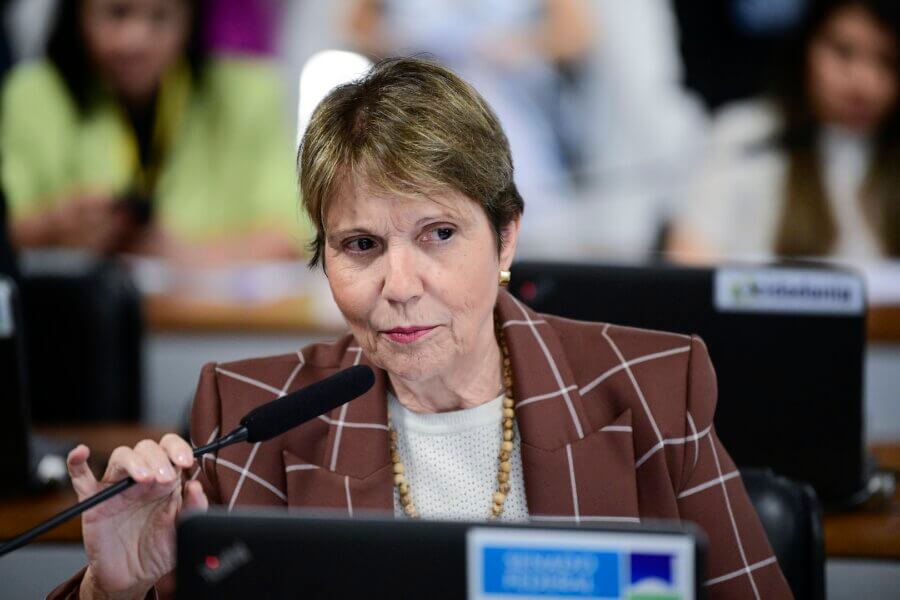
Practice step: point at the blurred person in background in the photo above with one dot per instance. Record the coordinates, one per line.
(646, 128)
(127, 137)
(812, 171)
(524, 56)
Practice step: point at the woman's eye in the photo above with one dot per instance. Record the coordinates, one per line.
(439, 234)
(360, 244)
(843, 50)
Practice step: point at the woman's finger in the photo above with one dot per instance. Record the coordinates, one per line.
(158, 461)
(179, 451)
(83, 480)
(194, 496)
(125, 462)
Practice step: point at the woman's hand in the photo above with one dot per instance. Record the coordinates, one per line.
(130, 539)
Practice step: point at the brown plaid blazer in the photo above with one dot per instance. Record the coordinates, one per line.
(615, 425)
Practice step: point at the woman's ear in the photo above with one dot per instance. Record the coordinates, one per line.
(509, 235)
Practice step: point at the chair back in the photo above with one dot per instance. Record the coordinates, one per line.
(791, 515)
(84, 342)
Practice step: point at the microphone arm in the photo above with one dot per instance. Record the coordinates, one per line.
(238, 435)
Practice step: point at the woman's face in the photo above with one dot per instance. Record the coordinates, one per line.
(852, 66)
(133, 42)
(416, 278)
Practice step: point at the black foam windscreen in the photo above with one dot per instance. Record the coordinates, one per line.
(276, 417)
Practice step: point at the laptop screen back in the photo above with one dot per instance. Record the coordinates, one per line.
(787, 345)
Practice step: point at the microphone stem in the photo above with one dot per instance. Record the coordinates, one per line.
(238, 435)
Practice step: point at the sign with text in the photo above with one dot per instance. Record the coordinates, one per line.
(552, 563)
(788, 291)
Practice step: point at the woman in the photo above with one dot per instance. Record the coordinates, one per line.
(481, 408)
(127, 137)
(814, 172)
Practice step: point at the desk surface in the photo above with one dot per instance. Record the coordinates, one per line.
(852, 535)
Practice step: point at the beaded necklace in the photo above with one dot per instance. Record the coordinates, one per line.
(506, 445)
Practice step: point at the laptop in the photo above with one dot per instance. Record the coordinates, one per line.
(308, 555)
(787, 343)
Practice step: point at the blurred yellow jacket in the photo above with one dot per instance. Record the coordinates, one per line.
(230, 167)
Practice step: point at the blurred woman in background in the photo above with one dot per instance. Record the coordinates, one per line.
(812, 171)
(525, 56)
(129, 138)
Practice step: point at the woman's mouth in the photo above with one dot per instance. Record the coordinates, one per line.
(408, 335)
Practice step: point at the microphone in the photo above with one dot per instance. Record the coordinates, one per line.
(259, 425)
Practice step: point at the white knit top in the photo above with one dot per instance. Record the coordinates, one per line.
(451, 462)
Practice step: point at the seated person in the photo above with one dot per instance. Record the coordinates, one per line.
(481, 408)
(127, 137)
(812, 171)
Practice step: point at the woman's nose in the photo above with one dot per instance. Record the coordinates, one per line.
(867, 77)
(402, 279)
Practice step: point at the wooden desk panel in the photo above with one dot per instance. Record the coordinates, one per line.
(868, 534)
(883, 324)
(165, 313)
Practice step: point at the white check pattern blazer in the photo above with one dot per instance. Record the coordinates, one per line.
(616, 425)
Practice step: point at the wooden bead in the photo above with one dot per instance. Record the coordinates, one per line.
(508, 435)
(507, 402)
(405, 500)
(497, 510)
(499, 497)
(399, 479)
(509, 413)
(403, 488)
(507, 424)
(506, 446)
(398, 468)
(395, 456)
(505, 466)
(504, 456)
(504, 487)
(393, 436)
(502, 477)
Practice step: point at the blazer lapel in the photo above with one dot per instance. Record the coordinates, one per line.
(355, 472)
(575, 470)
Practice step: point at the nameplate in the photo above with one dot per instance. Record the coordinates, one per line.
(7, 325)
(535, 563)
(788, 291)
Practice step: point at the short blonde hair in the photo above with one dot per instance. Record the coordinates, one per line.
(409, 126)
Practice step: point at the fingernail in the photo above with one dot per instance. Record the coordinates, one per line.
(167, 472)
(182, 458)
(142, 472)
